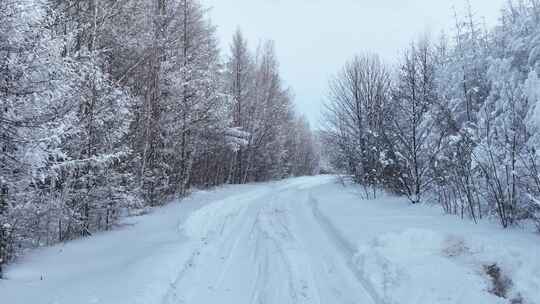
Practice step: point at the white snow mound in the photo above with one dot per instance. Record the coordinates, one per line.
(419, 266)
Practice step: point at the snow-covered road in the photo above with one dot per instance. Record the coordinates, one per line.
(269, 248)
(304, 240)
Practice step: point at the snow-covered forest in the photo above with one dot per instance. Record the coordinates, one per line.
(456, 122)
(146, 159)
(111, 109)
(108, 107)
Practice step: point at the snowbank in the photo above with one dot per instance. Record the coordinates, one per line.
(422, 266)
(418, 255)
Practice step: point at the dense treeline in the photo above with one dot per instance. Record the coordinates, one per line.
(110, 106)
(457, 122)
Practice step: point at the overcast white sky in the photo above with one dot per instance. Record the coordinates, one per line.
(314, 38)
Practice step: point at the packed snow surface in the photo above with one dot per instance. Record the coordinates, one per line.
(304, 240)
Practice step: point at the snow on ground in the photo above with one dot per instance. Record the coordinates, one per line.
(304, 240)
(416, 254)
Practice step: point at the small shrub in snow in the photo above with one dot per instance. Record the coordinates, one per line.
(500, 282)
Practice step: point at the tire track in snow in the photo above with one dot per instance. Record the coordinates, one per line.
(171, 296)
(245, 222)
(273, 236)
(252, 228)
(344, 247)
